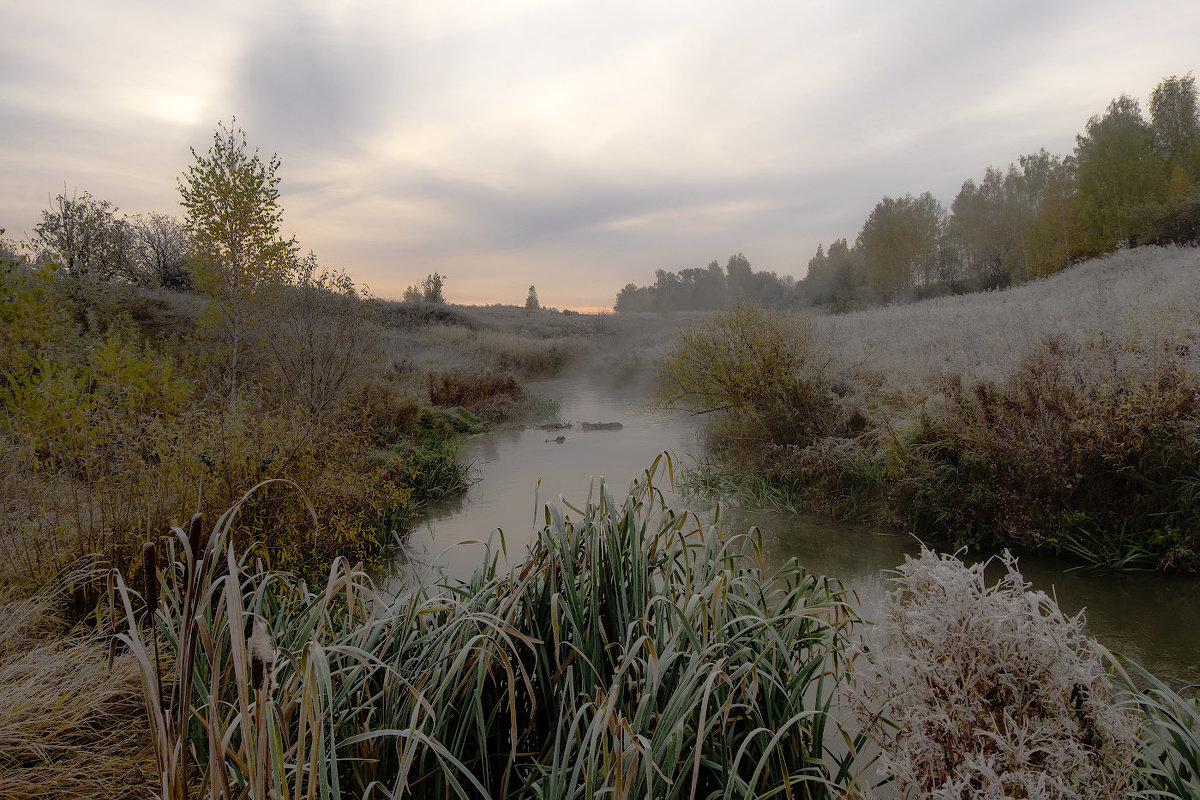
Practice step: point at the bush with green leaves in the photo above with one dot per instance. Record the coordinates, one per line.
(770, 371)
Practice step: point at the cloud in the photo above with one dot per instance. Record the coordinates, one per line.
(309, 87)
(569, 144)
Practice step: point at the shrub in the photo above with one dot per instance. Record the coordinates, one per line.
(104, 436)
(980, 691)
(322, 340)
(1075, 445)
(417, 314)
(488, 394)
(1089, 448)
(770, 370)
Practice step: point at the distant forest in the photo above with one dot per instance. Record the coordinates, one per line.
(1130, 182)
(711, 287)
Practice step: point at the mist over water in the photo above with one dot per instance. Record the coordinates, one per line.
(516, 472)
(1150, 617)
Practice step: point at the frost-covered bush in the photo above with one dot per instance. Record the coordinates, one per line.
(989, 691)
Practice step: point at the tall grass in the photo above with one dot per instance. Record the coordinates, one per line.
(633, 652)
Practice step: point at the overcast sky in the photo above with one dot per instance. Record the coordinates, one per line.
(573, 145)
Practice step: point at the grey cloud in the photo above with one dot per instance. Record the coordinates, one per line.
(571, 204)
(310, 89)
(779, 125)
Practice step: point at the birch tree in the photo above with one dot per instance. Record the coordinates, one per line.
(232, 214)
(1118, 173)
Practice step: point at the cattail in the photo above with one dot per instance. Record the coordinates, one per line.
(194, 535)
(262, 656)
(150, 576)
(150, 570)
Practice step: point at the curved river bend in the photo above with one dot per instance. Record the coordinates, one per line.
(1148, 616)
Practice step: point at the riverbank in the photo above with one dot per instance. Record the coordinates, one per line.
(125, 412)
(1144, 615)
(631, 647)
(1062, 415)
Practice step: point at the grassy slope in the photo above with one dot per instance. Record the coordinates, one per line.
(1137, 297)
(1062, 414)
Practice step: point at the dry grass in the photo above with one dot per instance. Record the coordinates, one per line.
(489, 396)
(1140, 297)
(420, 339)
(69, 727)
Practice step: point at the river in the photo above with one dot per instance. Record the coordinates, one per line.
(1149, 617)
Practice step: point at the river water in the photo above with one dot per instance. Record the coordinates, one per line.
(1149, 617)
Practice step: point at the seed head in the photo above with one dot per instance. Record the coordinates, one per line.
(194, 535)
(150, 575)
(262, 655)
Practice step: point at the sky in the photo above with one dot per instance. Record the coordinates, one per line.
(574, 146)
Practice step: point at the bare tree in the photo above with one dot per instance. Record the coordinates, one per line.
(322, 338)
(161, 252)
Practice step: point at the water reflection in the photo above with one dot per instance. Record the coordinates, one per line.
(1149, 617)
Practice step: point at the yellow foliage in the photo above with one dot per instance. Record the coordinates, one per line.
(770, 369)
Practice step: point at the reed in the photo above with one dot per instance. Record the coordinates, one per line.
(1169, 736)
(632, 652)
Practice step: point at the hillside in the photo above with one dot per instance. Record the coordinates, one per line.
(1060, 415)
(1138, 301)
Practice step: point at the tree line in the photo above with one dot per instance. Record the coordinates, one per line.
(709, 288)
(1130, 181)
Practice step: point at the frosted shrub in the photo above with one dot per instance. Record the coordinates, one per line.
(989, 691)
